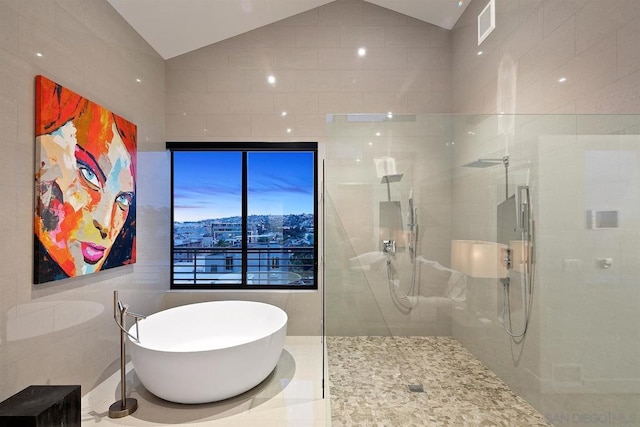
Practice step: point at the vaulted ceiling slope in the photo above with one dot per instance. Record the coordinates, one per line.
(174, 27)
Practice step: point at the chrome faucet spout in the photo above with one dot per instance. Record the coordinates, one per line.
(136, 315)
(120, 312)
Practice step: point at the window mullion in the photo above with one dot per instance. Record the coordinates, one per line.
(245, 210)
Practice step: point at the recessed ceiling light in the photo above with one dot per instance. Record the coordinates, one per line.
(139, 81)
(38, 54)
(271, 79)
(480, 52)
(288, 130)
(562, 79)
(377, 133)
(284, 113)
(390, 115)
(362, 51)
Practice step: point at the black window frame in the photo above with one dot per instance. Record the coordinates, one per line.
(245, 148)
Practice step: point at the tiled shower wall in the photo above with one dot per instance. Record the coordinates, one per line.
(369, 292)
(63, 333)
(570, 364)
(221, 93)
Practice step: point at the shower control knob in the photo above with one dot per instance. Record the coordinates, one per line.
(605, 263)
(389, 246)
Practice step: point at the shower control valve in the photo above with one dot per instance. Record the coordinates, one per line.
(605, 263)
(389, 246)
(507, 258)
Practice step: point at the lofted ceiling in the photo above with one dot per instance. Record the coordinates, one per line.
(174, 27)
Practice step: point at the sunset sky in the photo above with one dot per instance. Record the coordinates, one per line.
(207, 184)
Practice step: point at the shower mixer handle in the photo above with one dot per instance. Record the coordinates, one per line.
(507, 258)
(389, 246)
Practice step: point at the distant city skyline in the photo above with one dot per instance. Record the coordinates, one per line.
(208, 184)
(239, 218)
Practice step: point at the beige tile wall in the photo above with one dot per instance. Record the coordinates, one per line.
(361, 300)
(314, 58)
(221, 93)
(593, 44)
(61, 333)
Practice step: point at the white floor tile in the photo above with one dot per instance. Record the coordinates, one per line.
(291, 396)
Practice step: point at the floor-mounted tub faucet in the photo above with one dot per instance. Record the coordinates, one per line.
(125, 406)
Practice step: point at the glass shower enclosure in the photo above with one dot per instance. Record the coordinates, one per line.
(517, 235)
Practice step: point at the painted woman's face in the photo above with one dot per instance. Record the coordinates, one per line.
(85, 191)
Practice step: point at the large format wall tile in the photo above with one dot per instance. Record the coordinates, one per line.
(63, 332)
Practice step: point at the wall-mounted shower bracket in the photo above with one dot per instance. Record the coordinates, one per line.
(389, 246)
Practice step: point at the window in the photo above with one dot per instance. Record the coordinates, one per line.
(244, 215)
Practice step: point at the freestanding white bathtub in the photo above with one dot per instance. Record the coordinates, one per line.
(209, 351)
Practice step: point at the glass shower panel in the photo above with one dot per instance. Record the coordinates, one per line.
(580, 358)
(440, 187)
(350, 306)
(590, 335)
(389, 187)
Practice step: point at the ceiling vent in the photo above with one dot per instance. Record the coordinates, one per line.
(486, 21)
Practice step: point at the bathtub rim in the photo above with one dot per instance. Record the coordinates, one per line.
(283, 324)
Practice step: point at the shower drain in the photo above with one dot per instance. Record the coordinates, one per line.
(416, 388)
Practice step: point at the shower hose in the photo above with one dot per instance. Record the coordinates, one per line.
(392, 286)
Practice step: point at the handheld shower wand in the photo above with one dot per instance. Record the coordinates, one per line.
(525, 225)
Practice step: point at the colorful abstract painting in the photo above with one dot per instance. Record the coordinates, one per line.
(85, 186)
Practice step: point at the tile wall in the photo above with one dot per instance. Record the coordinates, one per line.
(221, 93)
(568, 366)
(591, 43)
(63, 333)
(370, 292)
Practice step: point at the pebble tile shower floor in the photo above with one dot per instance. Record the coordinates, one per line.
(369, 379)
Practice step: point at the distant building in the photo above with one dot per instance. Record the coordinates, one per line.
(232, 231)
(225, 230)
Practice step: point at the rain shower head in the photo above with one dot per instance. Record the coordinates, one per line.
(391, 178)
(484, 163)
(396, 177)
